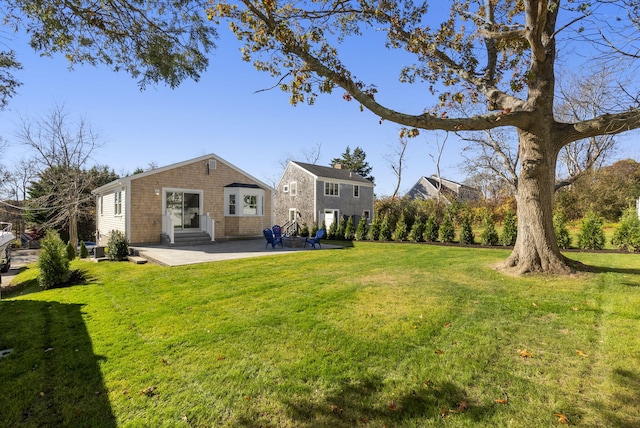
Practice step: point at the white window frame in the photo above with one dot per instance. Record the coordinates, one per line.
(239, 194)
(285, 188)
(366, 214)
(332, 188)
(293, 188)
(117, 202)
(356, 191)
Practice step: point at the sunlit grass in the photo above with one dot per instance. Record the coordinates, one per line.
(374, 335)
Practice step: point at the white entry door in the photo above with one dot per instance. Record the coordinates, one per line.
(329, 217)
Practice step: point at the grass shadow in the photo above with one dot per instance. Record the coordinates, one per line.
(351, 405)
(29, 286)
(50, 377)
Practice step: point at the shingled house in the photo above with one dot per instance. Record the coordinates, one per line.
(309, 194)
(205, 198)
(449, 191)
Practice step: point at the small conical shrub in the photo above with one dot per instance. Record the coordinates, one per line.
(509, 230)
(562, 232)
(431, 229)
(417, 231)
(627, 235)
(385, 229)
(84, 251)
(466, 231)
(374, 229)
(361, 230)
(117, 246)
(349, 231)
(591, 235)
(52, 261)
(447, 231)
(71, 251)
(489, 235)
(400, 233)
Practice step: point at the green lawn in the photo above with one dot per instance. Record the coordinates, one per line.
(395, 335)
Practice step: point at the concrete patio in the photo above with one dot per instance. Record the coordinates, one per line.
(216, 251)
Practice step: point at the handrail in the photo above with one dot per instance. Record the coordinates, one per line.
(167, 226)
(290, 228)
(208, 225)
(5, 227)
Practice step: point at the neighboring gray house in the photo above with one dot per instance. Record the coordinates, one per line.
(310, 194)
(427, 188)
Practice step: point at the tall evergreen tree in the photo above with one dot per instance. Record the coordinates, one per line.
(354, 162)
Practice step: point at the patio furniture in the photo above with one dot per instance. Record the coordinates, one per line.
(277, 232)
(268, 235)
(315, 240)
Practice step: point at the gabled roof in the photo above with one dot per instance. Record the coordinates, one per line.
(329, 173)
(125, 181)
(427, 187)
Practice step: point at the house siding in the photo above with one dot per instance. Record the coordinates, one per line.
(302, 202)
(107, 219)
(310, 200)
(146, 208)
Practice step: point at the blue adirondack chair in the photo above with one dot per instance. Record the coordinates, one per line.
(277, 232)
(268, 235)
(315, 240)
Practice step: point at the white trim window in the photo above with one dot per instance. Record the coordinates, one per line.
(366, 214)
(356, 191)
(244, 201)
(331, 188)
(232, 204)
(117, 202)
(293, 188)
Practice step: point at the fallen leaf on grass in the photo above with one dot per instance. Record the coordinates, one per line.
(149, 391)
(444, 412)
(501, 401)
(575, 308)
(582, 354)
(562, 418)
(448, 324)
(165, 361)
(524, 354)
(439, 351)
(336, 409)
(462, 406)
(392, 406)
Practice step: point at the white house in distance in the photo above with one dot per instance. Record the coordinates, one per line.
(201, 199)
(431, 187)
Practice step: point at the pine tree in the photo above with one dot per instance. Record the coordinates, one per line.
(361, 230)
(400, 233)
(509, 229)
(466, 231)
(447, 231)
(431, 229)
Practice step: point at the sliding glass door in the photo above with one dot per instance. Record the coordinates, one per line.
(184, 209)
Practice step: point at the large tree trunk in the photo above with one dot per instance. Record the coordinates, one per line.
(536, 248)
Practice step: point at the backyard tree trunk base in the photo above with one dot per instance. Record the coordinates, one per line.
(533, 260)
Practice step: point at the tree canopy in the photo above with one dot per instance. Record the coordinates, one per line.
(152, 40)
(355, 162)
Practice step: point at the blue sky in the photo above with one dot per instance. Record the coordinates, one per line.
(224, 114)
